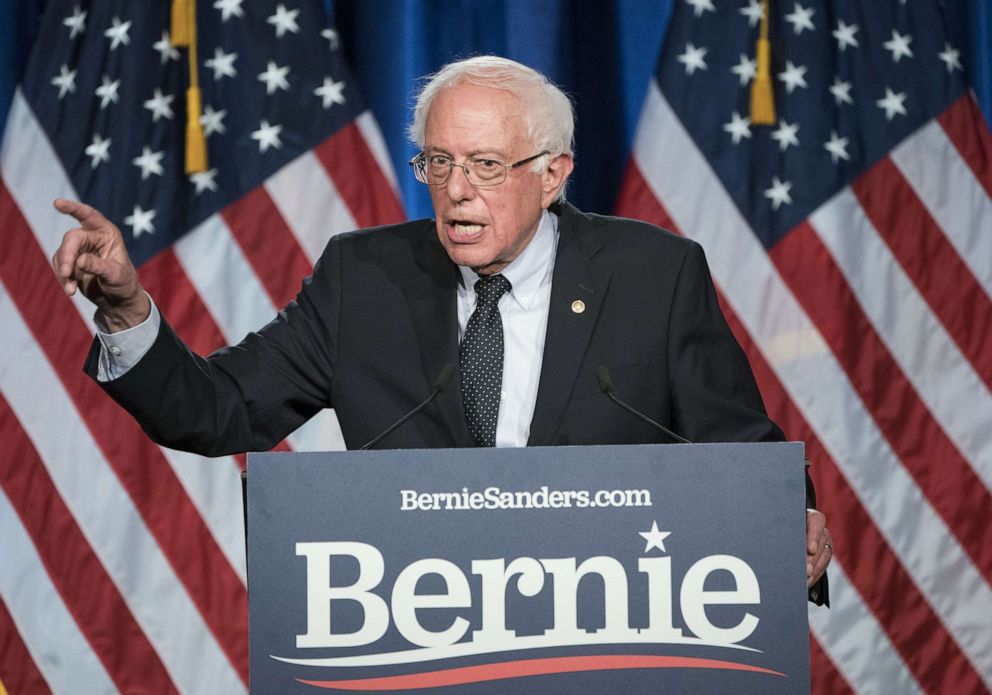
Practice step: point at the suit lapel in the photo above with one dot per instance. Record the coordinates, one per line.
(570, 325)
(430, 290)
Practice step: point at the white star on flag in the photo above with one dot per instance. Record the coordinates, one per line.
(899, 45)
(793, 76)
(204, 180)
(693, 59)
(76, 22)
(893, 104)
(738, 128)
(284, 20)
(159, 105)
(332, 38)
(654, 538)
(267, 136)
(99, 150)
(801, 19)
(140, 221)
(845, 35)
(785, 135)
(149, 162)
(837, 147)
(746, 70)
(229, 8)
(841, 91)
(65, 81)
(108, 92)
(212, 121)
(779, 193)
(951, 57)
(222, 64)
(274, 77)
(330, 92)
(753, 11)
(700, 6)
(165, 48)
(118, 33)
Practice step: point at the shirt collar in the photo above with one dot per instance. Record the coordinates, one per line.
(532, 268)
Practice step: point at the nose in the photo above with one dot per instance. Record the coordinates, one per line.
(457, 185)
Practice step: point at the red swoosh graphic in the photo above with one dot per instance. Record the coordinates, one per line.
(531, 667)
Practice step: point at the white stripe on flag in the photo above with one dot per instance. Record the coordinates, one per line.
(944, 378)
(948, 189)
(320, 433)
(815, 382)
(49, 632)
(106, 515)
(377, 145)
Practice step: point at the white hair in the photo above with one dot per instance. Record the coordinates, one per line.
(548, 115)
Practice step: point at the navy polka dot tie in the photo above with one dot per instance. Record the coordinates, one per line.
(481, 357)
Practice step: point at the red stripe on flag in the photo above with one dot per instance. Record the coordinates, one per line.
(88, 592)
(933, 265)
(826, 679)
(18, 671)
(356, 174)
(188, 544)
(637, 201)
(917, 439)
(268, 244)
(965, 126)
(923, 642)
(164, 278)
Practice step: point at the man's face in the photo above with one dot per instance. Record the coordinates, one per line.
(485, 228)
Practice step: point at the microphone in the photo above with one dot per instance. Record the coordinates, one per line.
(603, 379)
(441, 382)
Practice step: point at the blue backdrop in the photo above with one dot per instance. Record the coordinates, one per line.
(602, 52)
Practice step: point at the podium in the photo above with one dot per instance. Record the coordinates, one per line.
(634, 569)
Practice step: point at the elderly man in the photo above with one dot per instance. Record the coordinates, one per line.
(525, 293)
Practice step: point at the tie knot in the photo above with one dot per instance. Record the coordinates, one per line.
(489, 288)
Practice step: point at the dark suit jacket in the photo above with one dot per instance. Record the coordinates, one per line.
(376, 322)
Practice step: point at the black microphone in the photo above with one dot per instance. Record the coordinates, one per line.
(603, 379)
(441, 382)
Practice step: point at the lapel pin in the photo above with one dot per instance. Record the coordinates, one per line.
(578, 306)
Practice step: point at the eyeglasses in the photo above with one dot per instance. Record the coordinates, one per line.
(435, 169)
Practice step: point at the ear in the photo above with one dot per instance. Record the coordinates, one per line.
(554, 177)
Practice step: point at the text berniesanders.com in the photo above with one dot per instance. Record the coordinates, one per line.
(542, 498)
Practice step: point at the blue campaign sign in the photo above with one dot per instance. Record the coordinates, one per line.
(635, 569)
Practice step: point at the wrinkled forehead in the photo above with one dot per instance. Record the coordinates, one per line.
(476, 116)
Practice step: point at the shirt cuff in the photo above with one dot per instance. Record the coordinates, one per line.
(120, 351)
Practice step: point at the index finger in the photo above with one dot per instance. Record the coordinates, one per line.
(816, 522)
(88, 216)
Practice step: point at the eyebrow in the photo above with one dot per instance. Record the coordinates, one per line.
(474, 154)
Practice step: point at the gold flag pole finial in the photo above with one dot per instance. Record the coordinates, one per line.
(184, 34)
(762, 92)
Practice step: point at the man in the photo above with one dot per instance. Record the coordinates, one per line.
(525, 293)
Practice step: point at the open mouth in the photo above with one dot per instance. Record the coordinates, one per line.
(460, 230)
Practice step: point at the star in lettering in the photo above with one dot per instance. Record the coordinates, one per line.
(893, 104)
(845, 35)
(700, 6)
(99, 150)
(204, 181)
(140, 221)
(159, 105)
(899, 45)
(284, 20)
(654, 538)
(837, 147)
(222, 64)
(785, 135)
(330, 92)
(793, 76)
(693, 58)
(332, 38)
(779, 193)
(118, 33)
(76, 22)
(149, 162)
(753, 11)
(229, 8)
(951, 58)
(108, 92)
(738, 128)
(745, 70)
(212, 121)
(841, 91)
(274, 77)
(165, 49)
(801, 19)
(65, 81)
(267, 136)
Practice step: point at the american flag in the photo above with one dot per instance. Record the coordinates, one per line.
(122, 566)
(852, 244)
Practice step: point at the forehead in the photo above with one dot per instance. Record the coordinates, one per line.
(467, 118)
